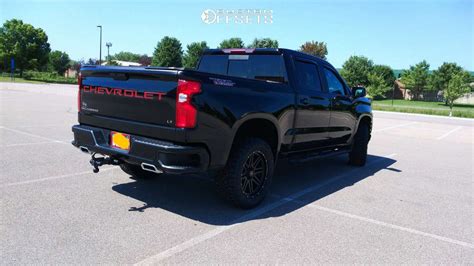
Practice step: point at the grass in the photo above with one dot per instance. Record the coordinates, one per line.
(39, 77)
(49, 77)
(18, 80)
(420, 107)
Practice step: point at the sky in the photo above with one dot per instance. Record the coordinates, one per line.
(395, 33)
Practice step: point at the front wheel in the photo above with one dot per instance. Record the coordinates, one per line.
(248, 173)
(358, 154)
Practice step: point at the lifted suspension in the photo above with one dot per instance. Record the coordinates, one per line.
(97, 162)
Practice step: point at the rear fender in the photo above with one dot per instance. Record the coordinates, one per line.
(272, 119)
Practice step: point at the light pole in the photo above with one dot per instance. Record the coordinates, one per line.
(108, 44)
(100, 47)
(393, 93)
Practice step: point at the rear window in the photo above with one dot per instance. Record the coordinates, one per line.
(262, 67)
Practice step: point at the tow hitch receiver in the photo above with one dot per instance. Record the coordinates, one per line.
(97, 162)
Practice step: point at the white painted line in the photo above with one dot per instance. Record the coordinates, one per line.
(52, 178)
(28, 144)
(396, 126)
(384, 224)
(45, 125)
(449, 133)
(32, 135)
(251, 215)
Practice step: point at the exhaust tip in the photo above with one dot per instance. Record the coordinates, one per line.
(84, 149)
(150, 168)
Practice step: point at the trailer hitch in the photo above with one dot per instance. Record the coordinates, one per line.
(97, 162)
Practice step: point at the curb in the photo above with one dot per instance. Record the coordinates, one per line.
(424, 115)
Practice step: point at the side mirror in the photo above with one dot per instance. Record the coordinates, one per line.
(358, 92)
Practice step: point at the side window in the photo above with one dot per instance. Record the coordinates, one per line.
(334, 84)
(308, 77)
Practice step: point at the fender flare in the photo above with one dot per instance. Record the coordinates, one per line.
(362, 117)
(359, 119)
(265, 116)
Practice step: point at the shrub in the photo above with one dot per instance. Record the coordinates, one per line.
(50, 77)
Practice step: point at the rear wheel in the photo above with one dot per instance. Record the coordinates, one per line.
(248, 173)
(136, 171)
(358, 154)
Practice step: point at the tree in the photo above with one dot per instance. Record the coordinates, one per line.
(378, 86)
(440, 78)
(126, 56)
(168, 53)
(76, 65)
(356, 70)
(386, 73)
(26, 44)
(315, 48)
(59, 62)
(145, 60)
(457, 87)
(92, 61)
(193, 52)
(231, 43)
(264, 43)
(416, 78)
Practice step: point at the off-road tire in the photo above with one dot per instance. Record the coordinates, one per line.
(232, 183)
(358, 154)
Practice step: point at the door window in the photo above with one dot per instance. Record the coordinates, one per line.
(307, 76)
(334, 84)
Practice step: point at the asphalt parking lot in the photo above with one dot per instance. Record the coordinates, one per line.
(412, 202)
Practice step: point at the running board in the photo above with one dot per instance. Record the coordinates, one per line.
(301, 158)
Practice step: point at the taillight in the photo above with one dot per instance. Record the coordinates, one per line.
(79, 83)
(185, 111)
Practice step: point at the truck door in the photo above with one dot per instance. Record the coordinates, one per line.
(343, 119)
(313, 107)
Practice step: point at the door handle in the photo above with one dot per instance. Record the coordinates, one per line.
(304, 101)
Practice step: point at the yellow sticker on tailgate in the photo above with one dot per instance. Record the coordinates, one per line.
(120, 140)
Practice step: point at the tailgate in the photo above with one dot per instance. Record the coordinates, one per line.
(136, 94)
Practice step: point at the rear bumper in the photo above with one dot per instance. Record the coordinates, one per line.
(165, 156)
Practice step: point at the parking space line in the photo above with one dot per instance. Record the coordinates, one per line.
(251, 215)
(41, 126)
(51, 178)
(28, 144)
(449, 133)
(32, 135)
(384, 224)
(396, 126)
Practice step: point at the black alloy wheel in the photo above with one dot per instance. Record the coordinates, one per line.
(254, 173)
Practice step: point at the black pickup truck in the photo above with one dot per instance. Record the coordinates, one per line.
(234, 116)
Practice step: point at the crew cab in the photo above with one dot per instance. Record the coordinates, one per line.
(234, 116)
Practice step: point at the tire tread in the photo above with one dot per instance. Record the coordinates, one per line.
(228, 182)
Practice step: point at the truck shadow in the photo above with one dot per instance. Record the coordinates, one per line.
(194, 196)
